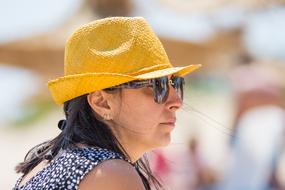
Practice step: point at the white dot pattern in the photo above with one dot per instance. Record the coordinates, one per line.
(66, 171)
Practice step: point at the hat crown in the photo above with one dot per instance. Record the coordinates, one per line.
(115, 45)
(109, 52)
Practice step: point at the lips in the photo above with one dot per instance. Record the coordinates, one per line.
(170, 122)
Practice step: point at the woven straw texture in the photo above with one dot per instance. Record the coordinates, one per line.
(109, 52)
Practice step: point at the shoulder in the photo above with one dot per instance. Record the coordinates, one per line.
(112, 174)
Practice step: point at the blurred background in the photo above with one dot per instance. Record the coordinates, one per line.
(230, 133)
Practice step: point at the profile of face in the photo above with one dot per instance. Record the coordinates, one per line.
(135, 117)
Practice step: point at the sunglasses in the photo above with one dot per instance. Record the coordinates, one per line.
(160, 87)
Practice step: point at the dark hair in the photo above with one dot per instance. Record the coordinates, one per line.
(83, 127)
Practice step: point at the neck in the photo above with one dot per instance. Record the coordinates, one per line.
(131, 145)
(133, 151)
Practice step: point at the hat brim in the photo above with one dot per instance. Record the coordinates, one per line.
(71, 86)
(179, 71)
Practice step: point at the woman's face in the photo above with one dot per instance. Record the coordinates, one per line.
(139, 120)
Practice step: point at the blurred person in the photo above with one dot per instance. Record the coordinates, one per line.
(161, 166)
(189, 168)
(259, 128)
(120, 95)
(204, 175)
(254, 85)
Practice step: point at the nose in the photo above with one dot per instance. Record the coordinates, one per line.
(173, 102)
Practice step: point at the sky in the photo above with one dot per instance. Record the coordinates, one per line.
(20, 18)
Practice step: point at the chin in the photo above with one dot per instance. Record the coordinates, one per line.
(163, 141)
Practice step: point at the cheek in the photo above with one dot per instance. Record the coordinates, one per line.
(139, 111)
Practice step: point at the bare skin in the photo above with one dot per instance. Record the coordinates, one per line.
(34, 171)
(111, 175)
(139, 123)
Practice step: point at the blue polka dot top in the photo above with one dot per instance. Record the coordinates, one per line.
(67, 170)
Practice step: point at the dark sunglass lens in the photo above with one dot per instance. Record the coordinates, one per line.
(178, 85)
(160, 89)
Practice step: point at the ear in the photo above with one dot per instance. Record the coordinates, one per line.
(99, 102)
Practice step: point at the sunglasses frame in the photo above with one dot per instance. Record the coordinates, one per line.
(160, 86)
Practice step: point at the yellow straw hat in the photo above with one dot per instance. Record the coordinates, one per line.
(109, 52)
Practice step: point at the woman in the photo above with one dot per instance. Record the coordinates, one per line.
(120, 95)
